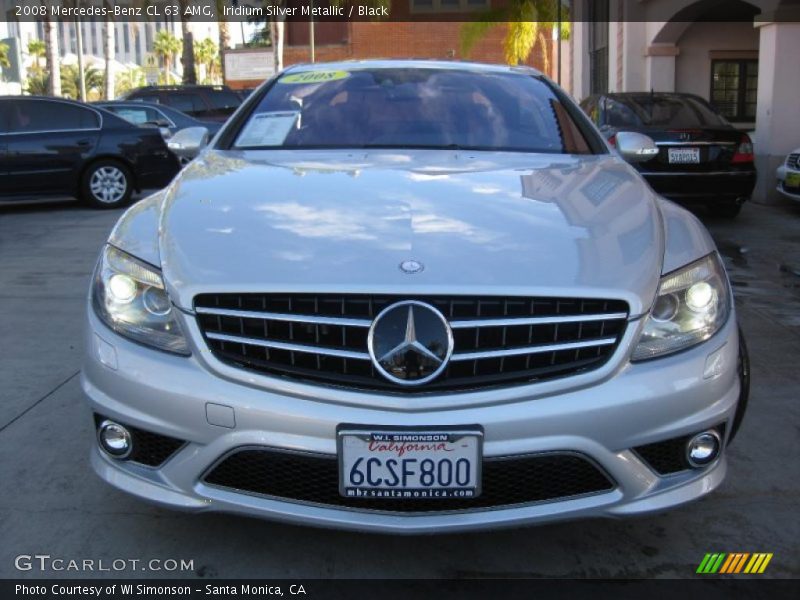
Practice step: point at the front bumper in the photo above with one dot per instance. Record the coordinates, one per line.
(635, 405)
(793, 193)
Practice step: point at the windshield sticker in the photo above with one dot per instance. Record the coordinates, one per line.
(267, 129)
(314, 77)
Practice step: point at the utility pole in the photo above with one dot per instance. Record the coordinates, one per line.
(311, 33)
(81, 71)
(558, 38)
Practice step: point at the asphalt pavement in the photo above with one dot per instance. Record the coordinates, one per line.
(52, 503)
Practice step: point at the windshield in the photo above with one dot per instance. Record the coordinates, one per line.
(412, 108)
(649, 110)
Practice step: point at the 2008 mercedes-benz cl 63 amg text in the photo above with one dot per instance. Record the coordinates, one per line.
(412, 296)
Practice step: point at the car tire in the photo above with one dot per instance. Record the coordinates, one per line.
(743, 372)
(728, 209)
(107, 184)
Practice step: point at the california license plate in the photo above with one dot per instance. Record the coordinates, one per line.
(416, 464)
(683, 156)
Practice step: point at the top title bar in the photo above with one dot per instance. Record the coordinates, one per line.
(543, 11)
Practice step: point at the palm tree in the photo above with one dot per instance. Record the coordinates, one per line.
(71, 81)
(130, 79)
(52, 58)
(37, 84)
(166, 46)
(187, 59)
(205, 53)
(5, 60)
(528, 23)
(37, 49)
(224, 36)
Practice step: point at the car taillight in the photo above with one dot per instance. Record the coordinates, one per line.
(613, 140)
(744, 152)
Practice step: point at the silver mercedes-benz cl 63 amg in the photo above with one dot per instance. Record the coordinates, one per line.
(412, 296)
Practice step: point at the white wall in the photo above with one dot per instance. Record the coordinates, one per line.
(693, 64)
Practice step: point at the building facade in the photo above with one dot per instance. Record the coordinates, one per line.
(741, 56)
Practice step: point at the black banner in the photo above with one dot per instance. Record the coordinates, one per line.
(397, 589)
(543, 11)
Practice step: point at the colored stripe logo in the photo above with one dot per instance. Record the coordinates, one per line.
(734, 563)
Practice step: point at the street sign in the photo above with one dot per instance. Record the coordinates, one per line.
(151, 69)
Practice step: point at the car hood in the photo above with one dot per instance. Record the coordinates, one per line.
(480, 223)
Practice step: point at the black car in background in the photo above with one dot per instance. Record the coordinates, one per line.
(702, 157)
(51, 147)
(207, 102)
(157, 115)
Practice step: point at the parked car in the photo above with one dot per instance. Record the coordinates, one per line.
(206, 102)
(788, 175)
(51, 147)
(426, 298)
(702, 157)
(245, 92)
(166, 118)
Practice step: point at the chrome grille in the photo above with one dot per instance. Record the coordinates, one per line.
(793, 161)
(323, 338)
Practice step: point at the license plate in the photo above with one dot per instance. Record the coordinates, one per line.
(792, 180)
(419, 464)
(683, 156)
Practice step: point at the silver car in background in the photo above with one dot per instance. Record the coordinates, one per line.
(413, 296)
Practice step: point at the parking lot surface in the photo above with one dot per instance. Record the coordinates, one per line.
(52, 503)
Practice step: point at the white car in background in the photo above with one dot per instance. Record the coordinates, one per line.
(789, 176)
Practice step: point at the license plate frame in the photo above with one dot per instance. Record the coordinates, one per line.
(683, 155)
(472, 435)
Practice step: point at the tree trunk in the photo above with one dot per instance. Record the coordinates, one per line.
(108, 53)
(224, 42)
(187, 57)
(52, 58)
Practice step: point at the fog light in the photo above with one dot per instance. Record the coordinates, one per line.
(703, 448)
(115, 439)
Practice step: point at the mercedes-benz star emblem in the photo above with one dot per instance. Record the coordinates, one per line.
(411, 266)
(410, 342)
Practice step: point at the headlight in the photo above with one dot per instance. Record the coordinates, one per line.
(692, 304)
(129, 296)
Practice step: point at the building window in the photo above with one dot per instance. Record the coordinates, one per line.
(598, 46)
(734, 88)
(448, 5)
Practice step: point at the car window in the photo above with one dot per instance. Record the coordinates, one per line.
(653, 110)
(188, 103)
(137, 114)
(223, 99)
(145, 98)
(4, 116)
(27, 116)
(417, 108)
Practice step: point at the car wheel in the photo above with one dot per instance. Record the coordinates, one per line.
(743, 370)
(728, 209)
(107, 184)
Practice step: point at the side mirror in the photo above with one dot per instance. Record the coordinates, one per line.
(635, 147)
(187, 143)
